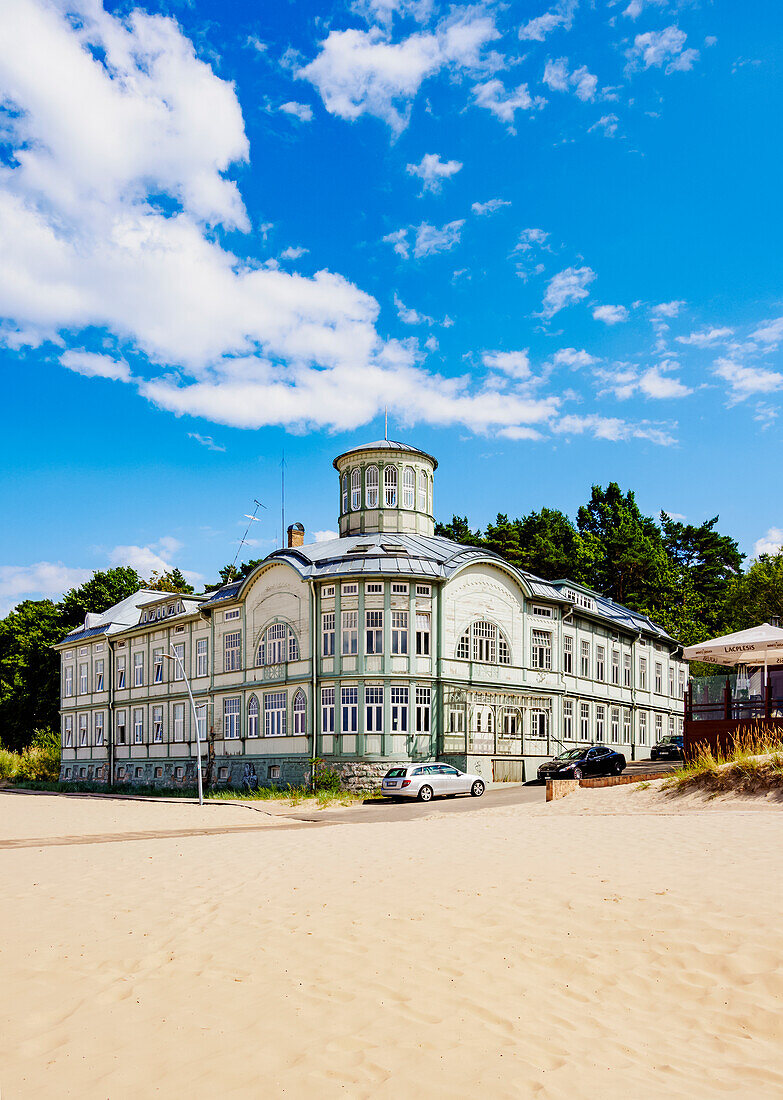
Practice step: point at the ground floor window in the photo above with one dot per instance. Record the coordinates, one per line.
(423, 700)
(568, 719)
(584, 721)
(275, 714)
(350, 701)
(399, 710)
(642, 728)
(626, 727)
(82, 730)
(231, 718)
(373, 709)
(138, 727)
(539, 721)
(615, 725)
(658, 727)
(327, 710)
(600, 723)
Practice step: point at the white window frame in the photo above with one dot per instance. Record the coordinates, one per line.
(423, 708)
(349, 633)
(179, 672)
(627, 670)
(642, 727)
(178, 715)
(568, 719)
(233, 613)
(202, 657)
(68, 731)
(138, 669)
(373, 588)
(422, 500)
(568, 654)
(157, 725)
(253, 712)
(584, 658)
(98, 728)
(299, 711)
(84, 731)
(584, 722)
(423, 633)
(390, 486)
(157, 666)
(68, 682)
(600, 663)
(399, 633)
(616, 667)
(84, 679)
(408, 488)
(232, 710)
(356, 489)
(371, 484)
(349, 712)
(643, 674)
(327, 633)
(327, 710)
(121, 726)
(614, 725)
(138, 725)
(400, 588)
(600, 723)
(373, 632)
(121, 672)
(232, 651)
(373, 708)
(99, 675)
(541, 649)
(275, 713)
(399, 709)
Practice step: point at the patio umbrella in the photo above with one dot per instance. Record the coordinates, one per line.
(760, 645)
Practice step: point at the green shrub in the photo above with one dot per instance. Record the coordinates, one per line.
(326, 778)
(40, 762)
(9, 763)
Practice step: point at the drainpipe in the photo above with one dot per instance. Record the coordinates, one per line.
(110, 716)
(314, 659)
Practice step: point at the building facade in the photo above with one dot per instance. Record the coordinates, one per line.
(386, 644)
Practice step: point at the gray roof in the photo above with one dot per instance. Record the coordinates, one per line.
(427, 558)
(386, 445)
(123, 615)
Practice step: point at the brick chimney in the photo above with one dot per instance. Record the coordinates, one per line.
(296, 534)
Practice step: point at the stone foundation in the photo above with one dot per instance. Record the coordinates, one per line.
(360, 775)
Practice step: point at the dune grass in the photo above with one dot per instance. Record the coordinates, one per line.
(754, 765)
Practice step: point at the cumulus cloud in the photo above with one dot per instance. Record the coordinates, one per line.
(636, 7)
(302, 111)
(610, 315)
(531, 238)
(399, 242)
(411, 316)
(559, 16)
(613, 429)
(656, 48)
(566, 288)
(667, 309)
(147, 560)
(771, 543)
(491, 206)
(573, 358)
(624, 381)
(92, 365)
(493, 96)
(744, 381)
(706, 338)
(383, 11)
(581, 82)
(292, 253)
(39, 581)
(516, 364)
(325, 536)
(364, 72)
(432, 171)
(431, 239)
(770, 333)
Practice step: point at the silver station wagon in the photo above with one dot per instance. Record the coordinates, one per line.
(428, 781)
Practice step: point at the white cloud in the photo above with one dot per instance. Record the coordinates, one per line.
(411, 316)
(561, 15)
(771, 543)
(430, 239)
(39, 581)
(771, 332)
(654, 383)
(432, 171)
(325, 536)
(706, 338)
(399, 241)
(565, 288)
(623, 381)
(573, 359)
(493, 96)
(147, 559)
(581, 82)
(531, 238)
(363, 72)
(656, 47)
(383, 11)
(636, 7)
(516, 364)
(96, 366)
(613, 429)
(291, 253)
(206, 441)
(610, 315)
(491, 206)
(744, 381)
(607, 123)
(302, 111)
(667, 309)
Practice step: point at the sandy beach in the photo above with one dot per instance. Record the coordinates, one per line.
(612, 944)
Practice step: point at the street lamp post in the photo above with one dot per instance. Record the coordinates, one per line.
(174, 656)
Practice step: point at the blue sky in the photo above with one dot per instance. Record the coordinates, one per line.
(548, 238)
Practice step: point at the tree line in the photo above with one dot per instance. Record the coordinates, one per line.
(689, 578)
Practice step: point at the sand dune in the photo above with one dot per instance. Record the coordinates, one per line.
(536, 951)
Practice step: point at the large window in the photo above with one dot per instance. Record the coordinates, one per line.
(157, 666)
(121, 729)
(422, 491)
(179, 662)
(82, 731)
(399, 632)
(120, 672)
(627, 670)
(300, 714)
(83, 679)
(423, 699)
(68, 677)
(390, 486)
(275, 714)
(615, 666)
(642, 727)
(658, 677)
(600, 722)
(541, 650)
(643, 673)
(68, 731)
(485, 642)
(327, 634)
(201, 657)
(399, 710)
(539, 724)
(568, 719)
(584, 721)
(138, 726)
(277, 645)
(626, 726)
(681, 683)
(373, 709)
(232, 651)
(600, 662)
(373, 632)
(99, 675)
(350, 633)
(568, 653)
(327, 710)
(408, 487)
(157, 725)
(356, 490)
(615, 725)
(179, 721)
(658, 727)
(231, 718)
(252, 717)
(138, 669)
(422, 633)
(350, 716)
(371, 487)
(584, 659)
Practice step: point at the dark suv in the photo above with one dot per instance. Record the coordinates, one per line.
(668, 748)
(583, 763)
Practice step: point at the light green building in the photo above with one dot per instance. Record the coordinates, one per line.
(386, 644)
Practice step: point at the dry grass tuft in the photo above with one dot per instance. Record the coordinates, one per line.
(753, 766)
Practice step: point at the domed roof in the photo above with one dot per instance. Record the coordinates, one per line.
(387, 445)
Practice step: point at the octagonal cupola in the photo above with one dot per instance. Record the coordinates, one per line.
(386, 486)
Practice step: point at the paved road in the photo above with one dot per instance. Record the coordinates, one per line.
(514, 794)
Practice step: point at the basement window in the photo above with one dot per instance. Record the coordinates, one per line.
(274, 771)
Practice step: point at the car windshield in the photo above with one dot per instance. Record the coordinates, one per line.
(395, 773)
(572, 754)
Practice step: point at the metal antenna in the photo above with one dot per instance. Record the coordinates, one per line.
(282, 499)
(386, 423)
(251, 520)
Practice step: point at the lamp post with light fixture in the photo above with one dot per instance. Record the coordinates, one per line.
(174, 656)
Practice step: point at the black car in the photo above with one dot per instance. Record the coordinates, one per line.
(668, 748)
(583, 763)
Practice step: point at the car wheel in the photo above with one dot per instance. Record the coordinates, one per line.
(425, 794)
(477, 789)
(577, 773)
(618, 768)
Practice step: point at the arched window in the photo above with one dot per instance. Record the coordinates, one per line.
(422, 491)
(356, 490)
(484, 642)
(408, 487)
(300, 713)
(278, 644)
(345, 493)
(371, 487)
(390, 486)
(252, 717)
